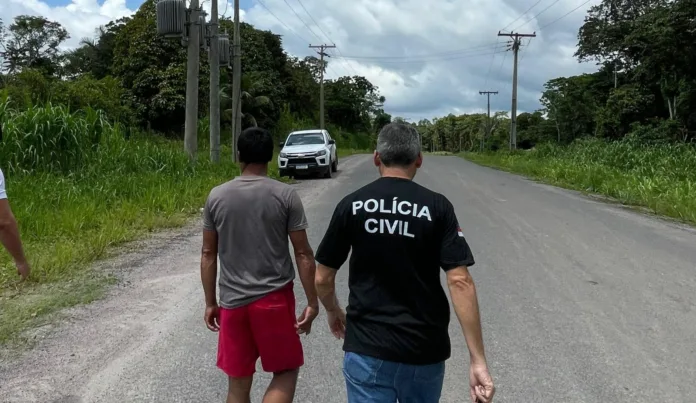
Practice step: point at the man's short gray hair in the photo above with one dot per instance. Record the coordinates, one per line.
(398, 144)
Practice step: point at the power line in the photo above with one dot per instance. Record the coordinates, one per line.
(533, 18)
(490, 67)
(521, 15)
(313, 20)
(326, 35)
(436, 54)
(227, 4)
(564, 15)
(447, 58)
(523, 48)
(502, 63)
(301, 20)
(291, 31)
(281, 21)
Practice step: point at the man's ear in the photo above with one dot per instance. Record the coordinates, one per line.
(419, 160)
(376, 159)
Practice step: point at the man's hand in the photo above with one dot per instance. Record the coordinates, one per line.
(481, 384)
(304, 322)
(23, 269)
(212, 318)
(337, 322)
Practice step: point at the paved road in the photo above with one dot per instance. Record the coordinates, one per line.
(581, 302)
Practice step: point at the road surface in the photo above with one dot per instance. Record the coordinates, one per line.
(581, 302)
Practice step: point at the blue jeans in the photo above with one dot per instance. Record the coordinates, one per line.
(371, 380)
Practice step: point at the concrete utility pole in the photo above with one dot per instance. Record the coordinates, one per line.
(488, 121)
(321, 81)
(192, 70)
(214, 60)
(513, 118)
(236, 82)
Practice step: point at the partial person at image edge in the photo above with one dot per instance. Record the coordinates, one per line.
(247, 222)
(396, 330)
(9, 233)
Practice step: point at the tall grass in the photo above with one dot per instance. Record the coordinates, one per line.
(659, 177)
(77, 186)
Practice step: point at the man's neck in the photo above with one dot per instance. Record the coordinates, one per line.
(255, 170)
(396, 173)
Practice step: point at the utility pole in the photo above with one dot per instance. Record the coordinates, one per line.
(321, 81)
(516, 43)
(214, 60)
(192, 70)
(236, 83)
(488, 121)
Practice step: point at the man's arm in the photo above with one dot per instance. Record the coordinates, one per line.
(465, 301)
(209, 253)
(306, 267)
(304, 255)
(325, 282)
(9, 233)
(455, 259)
(333, 252)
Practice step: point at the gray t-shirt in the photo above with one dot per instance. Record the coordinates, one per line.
(253, 216)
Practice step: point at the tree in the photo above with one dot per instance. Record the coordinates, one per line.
(32, 42)
(352, 102)
(381, 119)
(95, 55)
(250, 103)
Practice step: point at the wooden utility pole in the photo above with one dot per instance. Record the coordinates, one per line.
(321, 80)
(516, 43)
(192, 70)
(214, 60)
(236, 82)
(488, 121)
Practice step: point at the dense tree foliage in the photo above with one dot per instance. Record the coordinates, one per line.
(139, 78)
(645, 87)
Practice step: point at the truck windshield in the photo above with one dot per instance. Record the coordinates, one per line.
(305, 138)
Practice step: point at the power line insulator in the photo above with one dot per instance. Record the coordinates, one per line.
(171, 18)
(224, 49)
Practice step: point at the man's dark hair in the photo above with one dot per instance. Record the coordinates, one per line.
(255, 146)
(398, 144)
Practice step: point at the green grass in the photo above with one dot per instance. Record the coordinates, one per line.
(79, 186)
(661, 178)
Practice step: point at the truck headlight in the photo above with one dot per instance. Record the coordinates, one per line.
(321, 152)
(283, 155)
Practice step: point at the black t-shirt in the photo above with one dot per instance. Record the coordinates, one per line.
(401, 234)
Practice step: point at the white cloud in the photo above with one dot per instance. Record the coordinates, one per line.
(427, 58)
(81, 17)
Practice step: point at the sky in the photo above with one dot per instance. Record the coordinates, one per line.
(428, 58)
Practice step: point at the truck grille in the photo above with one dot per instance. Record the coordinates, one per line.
(296, 161)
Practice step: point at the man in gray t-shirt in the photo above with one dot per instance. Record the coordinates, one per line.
(246, 223)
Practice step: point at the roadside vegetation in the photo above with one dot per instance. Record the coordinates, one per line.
(92, 147)
(661, 178)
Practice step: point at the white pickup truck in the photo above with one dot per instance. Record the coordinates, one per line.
(308, 152)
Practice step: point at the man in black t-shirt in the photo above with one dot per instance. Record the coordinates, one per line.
(396, 327)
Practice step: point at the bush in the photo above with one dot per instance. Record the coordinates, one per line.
(49, 138)
(661, 177)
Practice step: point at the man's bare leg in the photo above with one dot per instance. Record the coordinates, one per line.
(282, 387)
(239, 390)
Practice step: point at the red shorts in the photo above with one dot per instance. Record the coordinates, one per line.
(265, 328)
